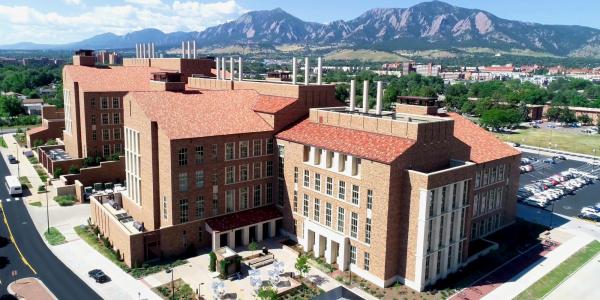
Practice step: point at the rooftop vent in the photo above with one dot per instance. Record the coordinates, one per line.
(167, 81)
(84, 58)
(417, 105)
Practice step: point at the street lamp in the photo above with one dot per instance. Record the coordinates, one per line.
(47, 209)
(18, 162)
(594, 160)
(170, 270)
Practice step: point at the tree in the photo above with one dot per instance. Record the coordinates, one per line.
(553, 113)
(10, 106)
(302, 265)
(253, 246)
(584, 119)
(212, 265)
(267, 293)
(497, 118)
(342, 91)
(57, 172)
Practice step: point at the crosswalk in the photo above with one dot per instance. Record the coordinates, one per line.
(7, 200)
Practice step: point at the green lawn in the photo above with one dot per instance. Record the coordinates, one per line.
(66, 200)
(54, 237)
(36, 204)
(547, 283)
(3, 143)
(572, 142)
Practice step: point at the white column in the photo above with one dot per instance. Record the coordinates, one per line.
(194, 49)
(143, 50)
(223, 68)
(352, 94)
(272, 231)
(240, 76)
(306, 71)
(329, 253)
(137, 52)
(189, 50)
(246, 235)
(317, 246)
(294, 70)
(365, 106)
(218, 67)
(182, 49)
(378, 105)
(216, 241)
(259, 232)
(319, 71)
(231, 239)
(231, 68)
(153, 52)
(343, 254)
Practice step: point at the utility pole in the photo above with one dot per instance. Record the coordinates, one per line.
(47, 209)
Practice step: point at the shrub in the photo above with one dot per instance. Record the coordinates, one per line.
(57, 172)
(37, 143)
(51, 142)
(212, 266)
(66, 200)
(73, 169)
(41, 188)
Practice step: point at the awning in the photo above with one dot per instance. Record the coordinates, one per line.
(244, 218)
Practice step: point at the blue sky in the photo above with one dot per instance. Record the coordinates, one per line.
(61, 21)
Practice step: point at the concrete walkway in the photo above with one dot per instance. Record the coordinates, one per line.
(583, 284)
(526, 278)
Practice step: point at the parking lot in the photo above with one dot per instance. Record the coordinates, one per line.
(569, 205)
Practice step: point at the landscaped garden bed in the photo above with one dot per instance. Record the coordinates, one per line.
(182, 291)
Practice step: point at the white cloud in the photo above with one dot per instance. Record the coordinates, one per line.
(24, 23)
(72, 2)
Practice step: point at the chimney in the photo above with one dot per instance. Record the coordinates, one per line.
(352, 94)
(194, 49)
(231, 68)
(294, 71)
(365, 105)
(223, 68)
(379, 97)
(319, 71)
(240, 69)
(306, 71)
(182, 49)
(218, 67)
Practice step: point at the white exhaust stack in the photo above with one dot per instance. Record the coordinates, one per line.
(240, 69)
(194, 43)
(306, 71)
(223, 68)
(182, 49)
(153, 53)
(231, 68)
(218, 67)
(294, 70)
(189, 50)
(379, 98)
(148, 50)
(352, 94)
(143, 50)
(137, 52)
(319, 71)
(365, 106)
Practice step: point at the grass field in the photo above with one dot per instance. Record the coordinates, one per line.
(364, 55)
(54, 237)
(547, 283)
(580, 143)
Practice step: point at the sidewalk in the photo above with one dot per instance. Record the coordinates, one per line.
(30, 288)
(76, 254)
(526, 278)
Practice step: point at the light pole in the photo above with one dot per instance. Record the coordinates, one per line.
(47, 209)
(170, 270)
(18, 162)
(594, 160)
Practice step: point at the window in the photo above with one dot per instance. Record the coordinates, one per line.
(104, 102)
(295, 202)
(342, 190)
(256, 170)
(229, 175)
(94, 135)
(244, 149)
(295, 174)
(352, 255)
(477, 179)
(306, 178)
(441, 233)
(369, 199)
(368, 230)
(485, 176)
(329, 186)
(427, 263)
(257, 148)
(328, 214)
(269, 192)
(281, 166)
(317, 211)
(199, 154)
(183, 182)
(115, 102)
(464, 194)
(200, 179)
(105, 135)
(367, 261)
(106, 150)
(230, 201)
(501, 172)
(93, 119)
(105, 120)
(165, 211)
(269, 168)
(215, 179)
(117, 149)
(183, 210)
(215, 203)
(340, 219)
(229, 152)
(243, 172)
(182, 156)
(444, 206)
(317, 182)
(269, 146)
(215, 151)
(476, 206)
(305, 205)
(117, 134)
(355, 194)
(493, 175)
(116, 118)
(200, 206)
(244, 198)
(281, 192)
(93, 102)
(499, 198)
(354, 225)
(257, 195)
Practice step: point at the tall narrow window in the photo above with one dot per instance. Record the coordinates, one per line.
(229, 154)
(199, 154)
(367, 262)
(257, 195)
(369, 199)
(329, 187)
(269, 192)
(317, 210)
(200, 206)
(317, 182)
(342, 190)
(295, 201)
(256, 170)
(305, 205)
(182, 156)
(165, 210)
(215, 203)
(353, 255)
(368, 230)
(269, 167)
(183, 210)
(295, 174)
(230, 175)
(200, 179)
(230, 200)
(340, 219)
(244, 149)
(355, 194)
(244, 198)
(257, 148)
(243, 172)
(306, 178)
(183, 182)
(269, 146)
(354, 225)
(328, 212)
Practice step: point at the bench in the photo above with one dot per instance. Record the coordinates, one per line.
(261, 261)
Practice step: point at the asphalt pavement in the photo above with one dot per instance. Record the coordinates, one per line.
(28, 255)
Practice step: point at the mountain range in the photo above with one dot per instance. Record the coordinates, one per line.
(428, 25)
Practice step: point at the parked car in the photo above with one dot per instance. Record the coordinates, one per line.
(99, 276)
(549, 161)
(28, 153)
(12, 159)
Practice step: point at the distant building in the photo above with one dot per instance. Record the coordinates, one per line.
(32, 106)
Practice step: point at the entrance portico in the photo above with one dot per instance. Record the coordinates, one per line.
(242, 228)
(327, 243)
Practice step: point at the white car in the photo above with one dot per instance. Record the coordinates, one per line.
(535, 202)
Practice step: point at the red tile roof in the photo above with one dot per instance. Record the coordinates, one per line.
(484, 145)
(272, 104)
(358, 143)
(202, 113)
(244, 218)
(111, 79)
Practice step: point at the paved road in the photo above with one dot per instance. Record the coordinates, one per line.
(34, 259)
